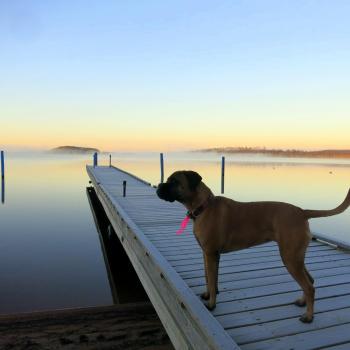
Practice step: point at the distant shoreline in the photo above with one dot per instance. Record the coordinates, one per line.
(292, 153)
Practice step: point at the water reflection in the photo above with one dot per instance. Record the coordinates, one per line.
(3, 190)
(2, 177)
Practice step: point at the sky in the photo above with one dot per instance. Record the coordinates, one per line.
(161, 75)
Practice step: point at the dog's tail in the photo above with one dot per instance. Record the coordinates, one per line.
(321, 213)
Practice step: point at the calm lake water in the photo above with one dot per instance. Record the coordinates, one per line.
(50, 254)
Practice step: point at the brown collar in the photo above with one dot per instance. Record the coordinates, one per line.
(199, 210)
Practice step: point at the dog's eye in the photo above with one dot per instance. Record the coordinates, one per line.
(173, 182)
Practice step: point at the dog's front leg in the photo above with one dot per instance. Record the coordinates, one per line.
(206, 294)
(212, 261)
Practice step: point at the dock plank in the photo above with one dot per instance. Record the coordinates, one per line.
(317, 339)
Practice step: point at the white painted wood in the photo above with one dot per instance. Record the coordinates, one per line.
(338, 243)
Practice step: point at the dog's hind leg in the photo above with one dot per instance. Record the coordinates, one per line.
(293, 258)
(302, 301)
(310, 277)
(217, 272)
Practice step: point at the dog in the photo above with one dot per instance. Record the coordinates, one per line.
(222, 225)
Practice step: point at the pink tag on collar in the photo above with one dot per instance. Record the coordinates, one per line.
(183, 225)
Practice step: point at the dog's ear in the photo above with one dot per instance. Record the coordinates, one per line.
(193, 179)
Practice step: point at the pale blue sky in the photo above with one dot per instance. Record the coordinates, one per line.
(175, 74)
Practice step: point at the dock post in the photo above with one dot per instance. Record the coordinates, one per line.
(124, 188)
(222, 174)
(2, 165)
(110, 160)
(95, 159)
(161, 168)
(2, 177)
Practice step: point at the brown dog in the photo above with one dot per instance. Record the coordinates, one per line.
(222, 225)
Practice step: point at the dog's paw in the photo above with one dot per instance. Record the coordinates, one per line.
(210, 306)
(205, 296)
(306, 319)
(300, 302)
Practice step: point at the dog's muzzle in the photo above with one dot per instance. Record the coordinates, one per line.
(164, 192)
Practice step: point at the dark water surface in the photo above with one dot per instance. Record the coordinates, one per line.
(50, 252)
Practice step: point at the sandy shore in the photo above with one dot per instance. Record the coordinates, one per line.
(129, 326)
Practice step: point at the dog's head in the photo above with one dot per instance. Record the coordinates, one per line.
(180, 186)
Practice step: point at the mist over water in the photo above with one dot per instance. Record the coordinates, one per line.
(50, 255)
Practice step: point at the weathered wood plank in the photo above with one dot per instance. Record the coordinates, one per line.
(198, 272)
(344, 346)
(253, 292)
(256, 317)
(270, 280)
(290, 326)
(317, 339)
(238, 276)
(175, 247)
(196, 265)
(172, 256)
(229, 260)
(273, 300)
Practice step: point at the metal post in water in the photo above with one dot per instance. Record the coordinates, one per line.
(95, 159)
(161, 168)
(124, 188)
(2, 165)
(222, 174)
(2, 177)
(110, 160)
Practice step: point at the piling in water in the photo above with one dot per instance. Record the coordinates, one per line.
(95, 159)
(2, 165)
(222, 174)
(161, 168)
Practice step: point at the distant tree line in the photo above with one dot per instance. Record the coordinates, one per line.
(328, 153)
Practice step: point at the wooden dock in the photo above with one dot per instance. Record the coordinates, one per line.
(255, 307)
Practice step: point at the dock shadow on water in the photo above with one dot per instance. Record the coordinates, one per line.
(124, 282)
